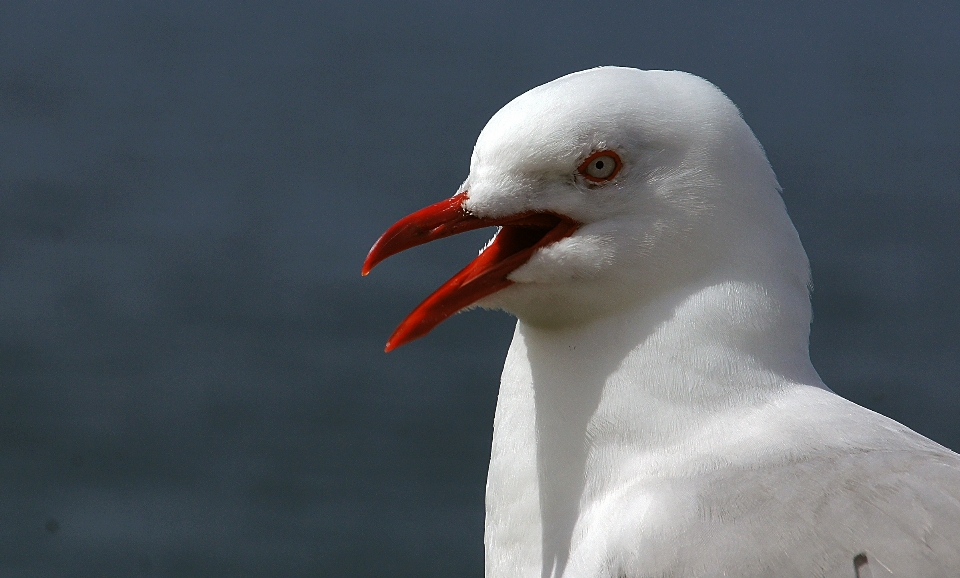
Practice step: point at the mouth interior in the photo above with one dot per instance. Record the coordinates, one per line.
(516, 237)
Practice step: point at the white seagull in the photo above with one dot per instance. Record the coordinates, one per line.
(658, 412)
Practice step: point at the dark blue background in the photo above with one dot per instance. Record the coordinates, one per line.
(191, 375)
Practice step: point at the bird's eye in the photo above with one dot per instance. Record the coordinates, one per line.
(601, 166)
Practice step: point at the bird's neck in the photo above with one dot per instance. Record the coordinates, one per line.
(585, 407)
(666, 365)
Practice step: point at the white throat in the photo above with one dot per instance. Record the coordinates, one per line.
(585, 410)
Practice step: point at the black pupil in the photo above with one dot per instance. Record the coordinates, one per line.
(599, 164)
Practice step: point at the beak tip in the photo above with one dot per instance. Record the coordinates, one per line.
(370, 262)
(368, 265)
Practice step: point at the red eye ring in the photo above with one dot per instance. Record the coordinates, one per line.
(586, 165)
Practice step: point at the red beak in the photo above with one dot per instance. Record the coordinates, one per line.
(519, 238)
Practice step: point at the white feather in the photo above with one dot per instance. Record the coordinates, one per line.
(658, 412)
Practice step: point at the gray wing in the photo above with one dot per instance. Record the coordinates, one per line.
(855, 514)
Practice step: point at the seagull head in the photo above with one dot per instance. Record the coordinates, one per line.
(608, 187)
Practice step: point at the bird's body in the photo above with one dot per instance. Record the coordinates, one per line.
(658, 413)
(622, 461)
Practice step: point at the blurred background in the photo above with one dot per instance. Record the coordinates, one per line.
(192, 380)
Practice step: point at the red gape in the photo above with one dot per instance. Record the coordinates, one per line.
(519, 238)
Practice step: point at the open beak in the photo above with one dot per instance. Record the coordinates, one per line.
(520, 236)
